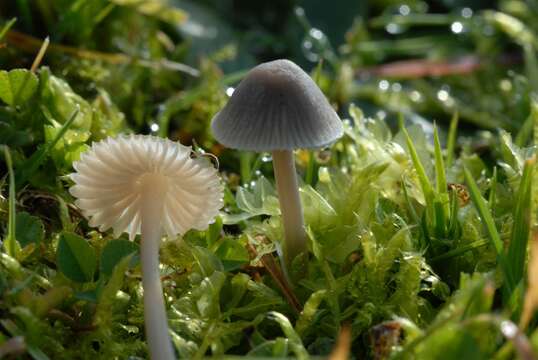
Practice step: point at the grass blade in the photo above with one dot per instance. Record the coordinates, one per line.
(487, 218)
(442, 199)
(484, 212)
(525, 133)
(439, 164)
(517, 250)
(451, 142)
(295, 342)
(531, 296)
(6, 27)
(37, 158)
(10, 243)
(492, 198)
(427, 188)
(453, 218)
(460, 250)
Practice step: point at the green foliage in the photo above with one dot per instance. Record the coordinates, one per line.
(29, 229)
(76, 258)
(17, 86)
(517, 250)
(113, 252)
(9, 242)
(417, 234)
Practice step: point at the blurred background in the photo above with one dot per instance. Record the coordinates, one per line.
(166, 66)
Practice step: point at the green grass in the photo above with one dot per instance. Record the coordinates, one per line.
(418, 218)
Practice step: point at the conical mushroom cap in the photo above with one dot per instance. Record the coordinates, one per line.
(109, 176)
(277, 106)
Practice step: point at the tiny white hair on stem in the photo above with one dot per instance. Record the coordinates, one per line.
(111, 175)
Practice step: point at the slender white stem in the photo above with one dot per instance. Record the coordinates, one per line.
(156, 323)
(290, 203)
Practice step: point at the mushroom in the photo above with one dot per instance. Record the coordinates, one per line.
(277, 107)
(141, 185)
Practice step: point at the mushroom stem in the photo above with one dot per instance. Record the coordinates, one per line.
(290, 203)
(156, 323)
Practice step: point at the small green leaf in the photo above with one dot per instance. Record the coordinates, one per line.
(76, 258)
(450, 342)
(107, 295)
(17, 86)
(114, 252)
(208, 295)
(29, 229)
(310, 308)
(11, 136)
(206, 261)
(232, 254)
(295, 343)
(39, 156)
(214, 231)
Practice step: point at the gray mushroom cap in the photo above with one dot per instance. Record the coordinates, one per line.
(277, 106)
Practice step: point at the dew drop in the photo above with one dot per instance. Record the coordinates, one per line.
(456, 27)
(396, 87)
(316, 34)
(393, 28)
(381, 114)
(415, 96)
(442, 95)
(323, 175)
(404, 10)
(466, 12)
(384, 85)
(509, 329)
(505, 85)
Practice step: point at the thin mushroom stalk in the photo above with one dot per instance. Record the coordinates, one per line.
(156, 324)
(290, 203)
(149, 186)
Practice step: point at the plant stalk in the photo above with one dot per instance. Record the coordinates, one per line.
(290, 203)
(156, 323)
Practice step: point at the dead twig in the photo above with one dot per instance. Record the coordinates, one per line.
(343, 344)
(40, 54)
(275, 272)
(420, 68)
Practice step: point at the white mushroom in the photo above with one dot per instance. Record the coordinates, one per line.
(141, 185)
(278, 108)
